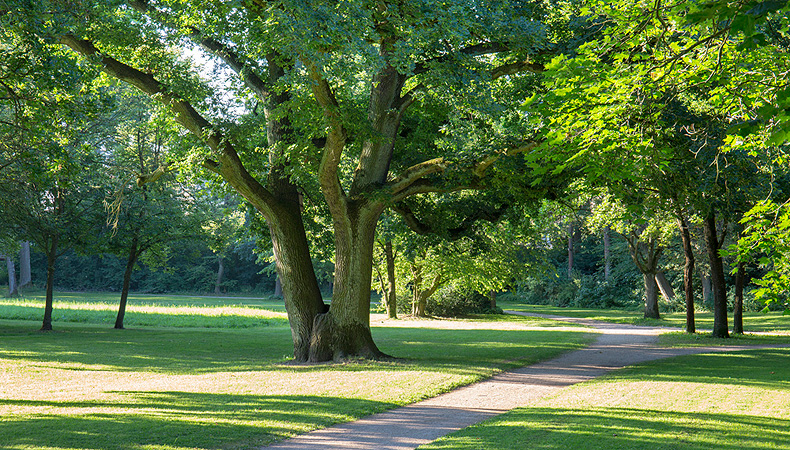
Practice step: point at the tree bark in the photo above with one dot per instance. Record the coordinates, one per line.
(344, 330)
(664, 287)
(127, 278)
(720, 327)
(570, 250)
(737, 313)
(688, 274)
(391, 293)
(651, 296)
(24, 265)
(492, 298)
(51, 258)
(13, 288)
(278, 287)
(706, 286)
(220, 273)
(607, 257)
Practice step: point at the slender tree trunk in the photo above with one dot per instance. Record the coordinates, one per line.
(220, 273)
(737, 313)
(492, 298)
(24, 265)
(720, 327)
(278, 287)
(391, 293)
(13, 290)
(52, 252)
(706, 286)
(570, 250)
(651, 296)
(127, 278)
(417, 306)
(688, 274)
(607, 257)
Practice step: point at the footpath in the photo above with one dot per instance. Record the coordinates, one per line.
(417, 424)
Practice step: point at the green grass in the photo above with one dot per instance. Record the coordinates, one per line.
(199, 386)
(149, 310)
(753, 321)
(714, 401)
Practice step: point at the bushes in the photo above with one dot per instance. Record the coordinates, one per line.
(451, 301)
(585, 291)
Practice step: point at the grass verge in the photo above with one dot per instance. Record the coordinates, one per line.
(774, 322)
(713, 401)
(88, 386)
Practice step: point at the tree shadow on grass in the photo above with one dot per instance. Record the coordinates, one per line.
(190, 351)
(760, 367)
(174, 420)
(621, 428)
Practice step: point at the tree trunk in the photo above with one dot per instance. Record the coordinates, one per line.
(706, 286)
(344, 330)
(220, 273)
(607, 257)
(688, 274)
(720, 328)
(417, 306)
(13, 290)
(127, 278)
(492, 298)
(300, 288)
(737, 313)
(278, 287)
(664, 287)
(51, 257)
(651, 296)
(24, 265)
(570, 250)
(391, 293)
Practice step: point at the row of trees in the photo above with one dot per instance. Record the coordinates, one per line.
(331, 114)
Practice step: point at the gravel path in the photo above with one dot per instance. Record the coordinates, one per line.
(413, 425)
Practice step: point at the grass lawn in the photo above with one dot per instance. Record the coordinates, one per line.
(774, 322)
(738, 401)
(195, 373)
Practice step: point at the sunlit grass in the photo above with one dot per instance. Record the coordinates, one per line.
(89, 386)
(774, 322)
(148, 310)
(716, 401)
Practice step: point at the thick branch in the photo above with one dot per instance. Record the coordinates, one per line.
(244, 70)
(517, 67)
(486, 212)
(335, 142)
(230, 165)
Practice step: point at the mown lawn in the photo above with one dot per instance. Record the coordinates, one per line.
(738, 401)
(215, 373)
(774, 322)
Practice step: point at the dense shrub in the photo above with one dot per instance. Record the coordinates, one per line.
(456, 302)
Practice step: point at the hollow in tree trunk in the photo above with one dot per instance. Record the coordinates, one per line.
(712, 241)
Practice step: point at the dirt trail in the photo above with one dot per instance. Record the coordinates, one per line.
(413, 425)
